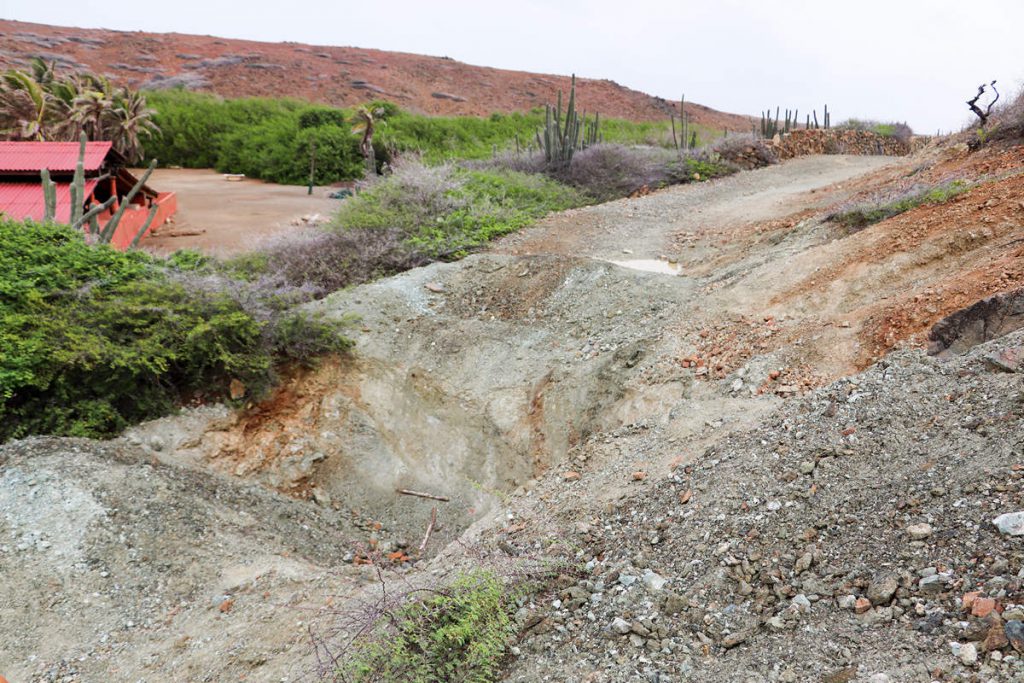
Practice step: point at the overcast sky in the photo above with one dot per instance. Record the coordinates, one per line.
(913, 60)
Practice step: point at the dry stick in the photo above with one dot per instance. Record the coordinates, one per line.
(430, 529)
(420, 494)
(973, 103)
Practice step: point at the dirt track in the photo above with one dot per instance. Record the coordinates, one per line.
(646, 226)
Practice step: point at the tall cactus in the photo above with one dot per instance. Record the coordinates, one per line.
(561, 140)
(769, 125)
(49, 196)
(78, 215)
(78, 182)
(107, 234)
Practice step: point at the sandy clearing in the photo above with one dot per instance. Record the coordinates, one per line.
(233, 216)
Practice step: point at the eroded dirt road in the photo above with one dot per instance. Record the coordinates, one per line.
(646, 226)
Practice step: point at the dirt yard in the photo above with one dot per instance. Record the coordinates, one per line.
(224, 218)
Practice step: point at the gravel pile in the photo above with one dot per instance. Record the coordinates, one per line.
(849, 537)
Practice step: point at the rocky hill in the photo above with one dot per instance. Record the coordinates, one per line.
(341, 76)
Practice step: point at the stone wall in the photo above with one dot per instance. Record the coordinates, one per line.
(819, 141)
(747, 153)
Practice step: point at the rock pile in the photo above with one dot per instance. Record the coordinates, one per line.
(864, 533)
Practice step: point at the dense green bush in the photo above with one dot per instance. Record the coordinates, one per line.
(93, 339)
(457, 633)
(269, 138)
(262, 138)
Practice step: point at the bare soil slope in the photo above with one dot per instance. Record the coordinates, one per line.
(729, 499)
(342, 76)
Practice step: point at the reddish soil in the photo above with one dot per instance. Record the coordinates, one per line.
(227, 218)
(342, 76)
(930, 261)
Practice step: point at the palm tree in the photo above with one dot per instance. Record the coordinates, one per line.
(37, 105)
(92, 106)
(131, 120)
(366, 120)
(24, 107)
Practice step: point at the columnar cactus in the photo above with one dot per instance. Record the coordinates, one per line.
(560, 141)
(78, 215)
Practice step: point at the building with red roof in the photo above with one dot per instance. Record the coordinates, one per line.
(106, 175)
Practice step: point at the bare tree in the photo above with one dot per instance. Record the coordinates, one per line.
(973, 104)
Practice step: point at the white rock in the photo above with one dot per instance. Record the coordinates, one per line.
(1011, 524)
(802, 603)
(627, 580)
(620, 626)
(847, 601)
(919, 532)
(653, 581)
(879, 678)
(968, 654)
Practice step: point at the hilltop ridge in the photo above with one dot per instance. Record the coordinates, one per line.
(341, 76)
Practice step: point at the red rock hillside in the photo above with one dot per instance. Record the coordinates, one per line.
(342, 76)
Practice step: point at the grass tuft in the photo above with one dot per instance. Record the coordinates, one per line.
(868, 213)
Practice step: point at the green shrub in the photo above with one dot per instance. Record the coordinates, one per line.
(263, 138)
(862, 215)
(456, 634)
(93, 339)
(444, 211)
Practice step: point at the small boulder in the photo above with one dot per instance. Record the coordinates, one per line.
(882, 588)
(1010, 524)
(734, 639)
(919, 532)
(1014, 631)
(982, 607)
(620, 626)
(653, 581)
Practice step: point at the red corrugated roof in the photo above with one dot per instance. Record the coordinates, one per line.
(20, 157)
(25, 199)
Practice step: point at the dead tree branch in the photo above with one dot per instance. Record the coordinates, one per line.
(430, 529)
(420, 494)
(973, 103)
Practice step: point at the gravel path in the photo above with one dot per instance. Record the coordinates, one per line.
(645, 225)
